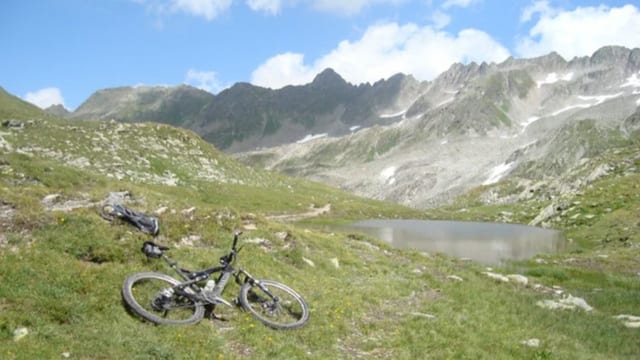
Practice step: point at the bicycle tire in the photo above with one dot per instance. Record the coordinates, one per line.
(290, 312)
(107, 212)
(146, 286)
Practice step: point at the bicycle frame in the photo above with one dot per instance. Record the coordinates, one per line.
(226, 270)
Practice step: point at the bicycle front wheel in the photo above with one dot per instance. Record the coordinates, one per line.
(279, 307)
(108, 212)
(150, 295)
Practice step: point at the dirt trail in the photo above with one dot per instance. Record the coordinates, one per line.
(299, 216)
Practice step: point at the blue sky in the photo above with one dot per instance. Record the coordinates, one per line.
(61, 51)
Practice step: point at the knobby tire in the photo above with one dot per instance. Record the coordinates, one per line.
(290, 312)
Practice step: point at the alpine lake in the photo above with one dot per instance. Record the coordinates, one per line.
(487, 243)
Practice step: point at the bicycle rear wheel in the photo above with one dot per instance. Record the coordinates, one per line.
(148, 295)
(280, 308)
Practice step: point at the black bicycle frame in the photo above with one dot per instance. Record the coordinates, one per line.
(226, 269)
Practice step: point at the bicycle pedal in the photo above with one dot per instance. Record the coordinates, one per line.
(218, 317)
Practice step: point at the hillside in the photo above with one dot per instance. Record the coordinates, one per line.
(62, 264)
(14, 108)
(172, 105)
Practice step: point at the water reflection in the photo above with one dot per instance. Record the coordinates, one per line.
(488, 243)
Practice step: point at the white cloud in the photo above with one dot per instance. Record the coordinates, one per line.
(349, 7)
(460, 3)
(271, 7)
(205, 80)
(579, 32)
(539, 7)
(46, 97)
(385, 50)
(440, 19)
(208, 9)
(281, 70)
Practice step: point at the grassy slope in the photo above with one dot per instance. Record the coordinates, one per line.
(61, 271)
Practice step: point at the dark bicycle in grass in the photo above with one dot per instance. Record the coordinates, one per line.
(162, 299)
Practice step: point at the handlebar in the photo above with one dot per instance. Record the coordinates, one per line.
(153, 250)
(228, 259)
(236, 234)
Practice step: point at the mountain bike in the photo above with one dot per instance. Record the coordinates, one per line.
(162, 299)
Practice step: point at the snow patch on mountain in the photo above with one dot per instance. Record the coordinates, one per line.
(530, 120)
(599, 99)
(388, 175)
(387, 116)
(632, 81)
(497, 173)
(311, 138)
(591, 101)
(446, 101)
(553, 78)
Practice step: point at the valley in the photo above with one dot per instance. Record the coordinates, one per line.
(516, 144)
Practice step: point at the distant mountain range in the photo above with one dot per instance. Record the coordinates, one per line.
(532, 123)
(246, 117)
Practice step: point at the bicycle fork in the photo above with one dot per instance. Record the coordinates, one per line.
(249, 279)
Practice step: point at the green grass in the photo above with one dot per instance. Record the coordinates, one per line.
(61, 271)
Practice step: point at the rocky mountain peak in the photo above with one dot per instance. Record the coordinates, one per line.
(551, 61)
(57, 110)
(459, 73)
(610, 54)
(328, 78)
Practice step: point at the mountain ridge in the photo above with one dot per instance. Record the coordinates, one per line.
(244, 117)
(473, 125)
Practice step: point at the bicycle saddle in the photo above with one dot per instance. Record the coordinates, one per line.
(153, 250)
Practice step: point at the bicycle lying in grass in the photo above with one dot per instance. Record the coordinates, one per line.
(162, 299)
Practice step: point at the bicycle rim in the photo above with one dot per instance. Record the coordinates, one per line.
(290, 311)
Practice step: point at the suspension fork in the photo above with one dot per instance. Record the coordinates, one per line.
(251, 280)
